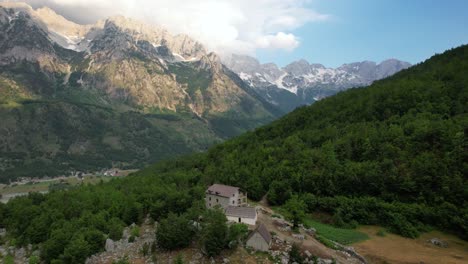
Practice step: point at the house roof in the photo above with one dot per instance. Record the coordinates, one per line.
(263, 231)
(222, 190)
(244, 212)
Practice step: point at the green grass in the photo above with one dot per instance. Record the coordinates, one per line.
(9, 259)
(340, 235)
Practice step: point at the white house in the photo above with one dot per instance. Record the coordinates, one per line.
(237, 214)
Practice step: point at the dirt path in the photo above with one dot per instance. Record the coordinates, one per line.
(396, 249)
(309, 243)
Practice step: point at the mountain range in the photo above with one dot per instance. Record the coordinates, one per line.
(115, 93)
(122, 93)
(301, 83)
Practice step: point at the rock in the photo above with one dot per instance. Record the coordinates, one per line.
(20, 253)
(110, 245)
(298, 236)
(284, 260)
(310, 231)
(308, 254)
(126, 233)
(225, 260)
(438, 242)
(197, 256)
(3, 251)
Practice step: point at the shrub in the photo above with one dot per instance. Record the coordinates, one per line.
(295, 254)
(326, 242)
(174, 232)
(135, 231)
(381, 233)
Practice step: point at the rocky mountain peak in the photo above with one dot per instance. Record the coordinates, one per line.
(301, 82)
(298, 68)
(242, 63)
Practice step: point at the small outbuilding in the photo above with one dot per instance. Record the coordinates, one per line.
(259, 239)
(246, 215)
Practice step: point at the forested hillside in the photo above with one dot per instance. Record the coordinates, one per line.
(393, 154)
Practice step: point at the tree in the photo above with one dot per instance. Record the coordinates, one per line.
(279, 192)
(236, 233)
(295, 209)
(174, 232)
(214, 231)
(115, 227)
(76, 251)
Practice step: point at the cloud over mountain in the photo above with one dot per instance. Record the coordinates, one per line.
(239, 26)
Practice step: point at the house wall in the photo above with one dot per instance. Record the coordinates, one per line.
(224, 201)
(248, 221)
(257, 242)
(212, 200)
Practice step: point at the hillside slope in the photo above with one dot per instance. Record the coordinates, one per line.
(395, 151)
(392, 154)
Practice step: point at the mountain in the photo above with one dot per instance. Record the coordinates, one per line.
(301, 83)
(392, 154)
(116, 93)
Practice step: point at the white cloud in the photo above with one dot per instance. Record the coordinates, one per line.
(279, 41)
(241, 26)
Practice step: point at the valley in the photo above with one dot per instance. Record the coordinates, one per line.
(128, 140)
(28, 184)
(119, 93)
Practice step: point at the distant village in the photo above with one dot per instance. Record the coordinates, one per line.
(114, 172)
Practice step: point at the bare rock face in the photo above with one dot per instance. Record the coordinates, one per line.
(124, 59)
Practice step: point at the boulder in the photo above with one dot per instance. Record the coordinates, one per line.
(110, 245)
(298, 236)
(438, 242)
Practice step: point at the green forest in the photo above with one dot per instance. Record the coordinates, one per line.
(393, 154)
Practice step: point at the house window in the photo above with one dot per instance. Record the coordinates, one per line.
(217, 200)
(210, 198)
(209, 204)
(240, 220)
(233, 202)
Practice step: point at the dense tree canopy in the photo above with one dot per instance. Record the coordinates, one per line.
(401, 141)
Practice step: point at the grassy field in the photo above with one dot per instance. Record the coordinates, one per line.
(392, 248)
(340, 235)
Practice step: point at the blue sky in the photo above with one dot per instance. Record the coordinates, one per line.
(410, 30)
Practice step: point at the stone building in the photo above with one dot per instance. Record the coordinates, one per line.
(259, 239)
(224, 195)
